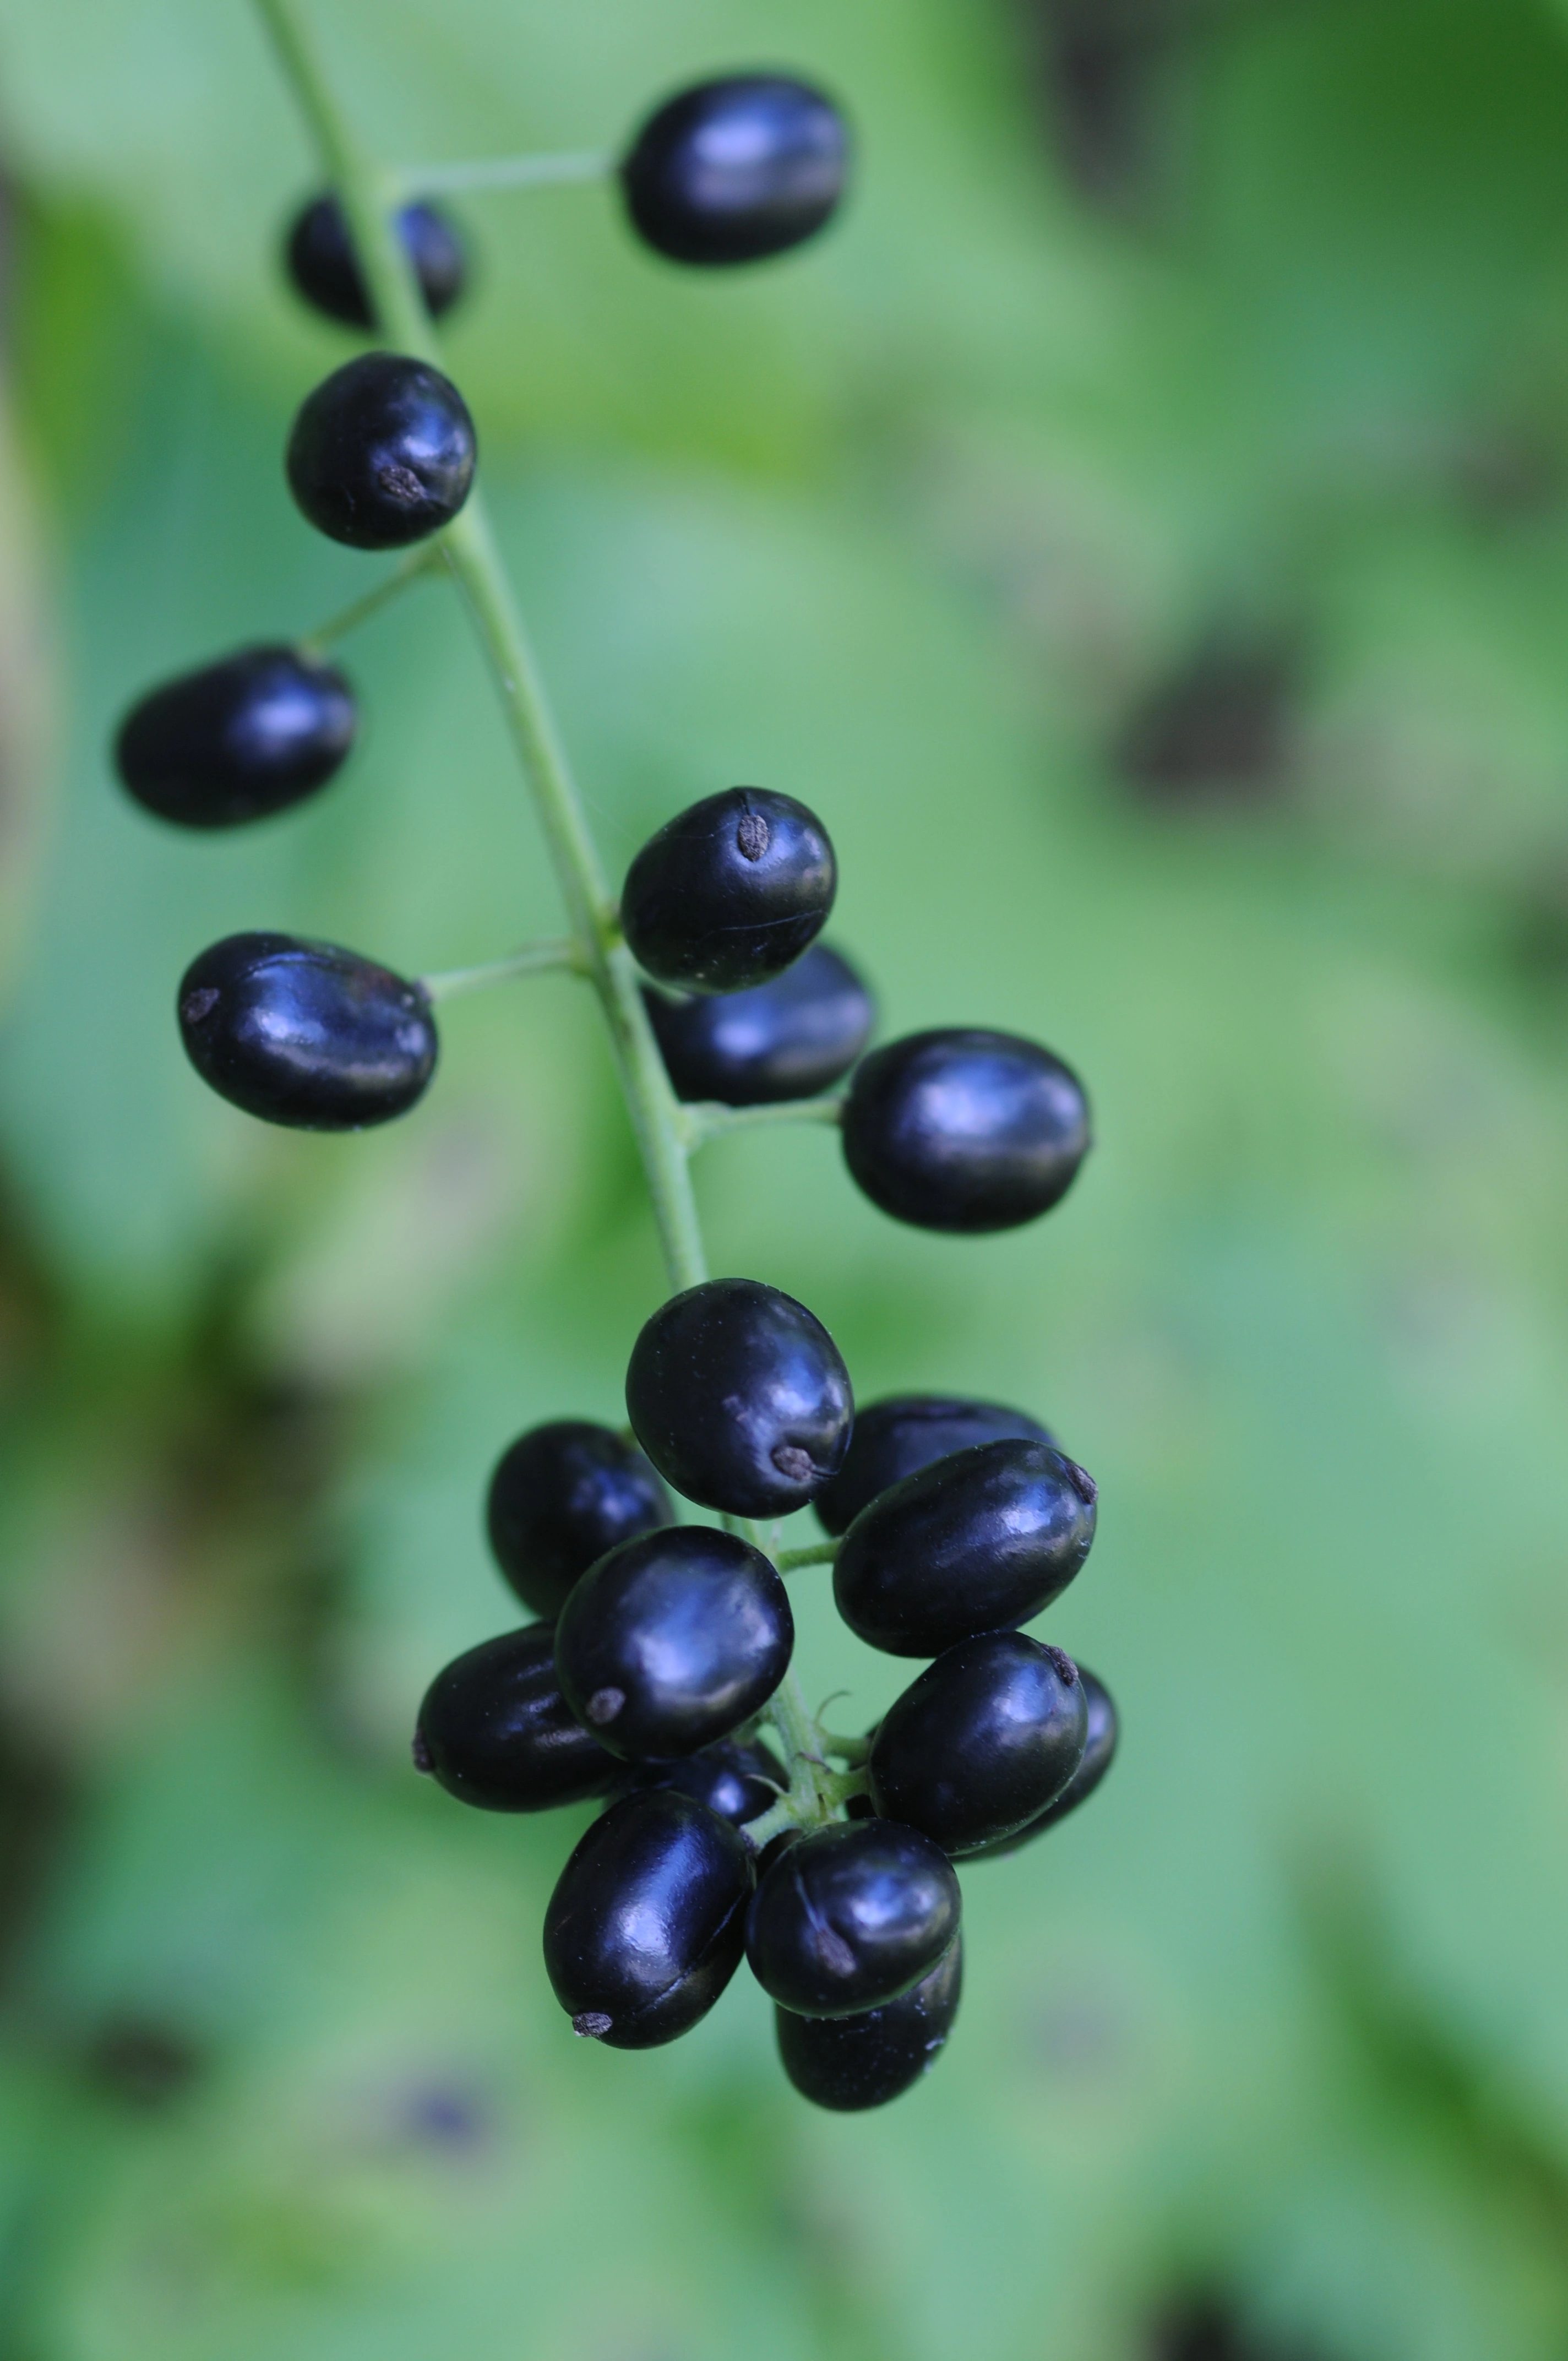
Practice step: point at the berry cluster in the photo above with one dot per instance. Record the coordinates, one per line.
(657, 1675)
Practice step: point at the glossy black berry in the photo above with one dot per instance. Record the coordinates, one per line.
(851, 1917)
(1098, 1755)
(973, 1543)
(304, 1034)
(965, 1130)
(561, 1496)
(239, 740)
(737, 1782)
(496, 1731)
(381, 452)
(985, 1739)
(734, 171)
(647, 1922)
(849, 2063)
(673, 1641)
(739, 1397)
(896, 1437)
(787, 1039)
(325, 270)
(729, 892)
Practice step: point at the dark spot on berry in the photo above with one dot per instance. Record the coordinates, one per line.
(591, 2025)
(400, 483)
(1082, 1483)
(751, 835)
(792, 1462)
(604, 1705)
(197, 1004)
(423, 1760)
(1066, 1668)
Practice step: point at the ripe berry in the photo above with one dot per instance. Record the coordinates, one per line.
(739, 1783)
(851, 1917)
(1098, 1755)
(739, 1397)
(965, 1130)
(673, 1641)
(736, 170)
(561, 1496)
(647, 1922)
(851, 2062)
(787, 1039)
(496, 1731)
(974, 1542)
(985, 1739)
(239, 740)
(907, 1432)
(325, 268)
(381, 452)
(304, 1034)
(729, 892)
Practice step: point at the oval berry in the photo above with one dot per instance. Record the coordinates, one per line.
(965, 1130)
(739, 1398)
(740, 1783)
(673, 1641)
(304, 1034)
(791, 1038)
(897, 1436)
(985, 1739)
(561, 1495)
(381, 452)
(1099, 1753)
(239, 740)
(849, 2063)
(325, 270)
(647, 1922)
(730, 892)
(495, 1729)
(851, 1917)
(736, 170)
(974, 1542)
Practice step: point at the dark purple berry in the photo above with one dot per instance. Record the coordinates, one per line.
(730, 892)
(325, 270)
(985, 1739)
(737, 1782)
(381, 452)
(736, 170)
(495, 1729)
(851, 1917)
(1098, 1755)
(561, 1496)
(304, 1034)
(965, 1130)
(849, 2063)
(791, 1038)
(239, 740)
(898, 1436)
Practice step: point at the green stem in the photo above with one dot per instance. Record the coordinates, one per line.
(534, 959)
(812, 1553)
(706, 1118)
(463, 178)
(419, 562)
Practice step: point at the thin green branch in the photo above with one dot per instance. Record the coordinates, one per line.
(415, 566)
(533, 958)
(810, 1554)
(708, 1118)
(464, 179)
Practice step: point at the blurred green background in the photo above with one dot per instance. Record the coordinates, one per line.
(1141, 531)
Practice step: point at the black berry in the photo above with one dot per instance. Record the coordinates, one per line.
(673, 1641)
(381, 452)
(849, 2063)
(965, 1130)
(737, 1782)
(974, 1542)
(985, 1739)
(239, 740)
(325, 270)
(730, 892)
(496, 1731)
(734, 171)
(647, 1922)
(304, 1034)
(1098, 1755)
(739, 1397)
(787, 1039)
(561, 1496)
(896, 1437)
(851, 1917)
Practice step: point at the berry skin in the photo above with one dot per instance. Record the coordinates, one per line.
(237, 740)
(965, 1130)
(736, 169)
(673, 1641)
(325, 270)
(381, 452)
(851, 1917)
(730, 892)
(850, 2063)
(897, 1437)
(980, 1744)
(739, 1397)
(647, 1922)
(496, 1731)
(974, 1542)
(739, 1783)
(304, 1034)
(1098, 1756)
(791, 1038)
(561, 1496)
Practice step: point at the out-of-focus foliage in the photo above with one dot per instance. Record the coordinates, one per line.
(1141, 531)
